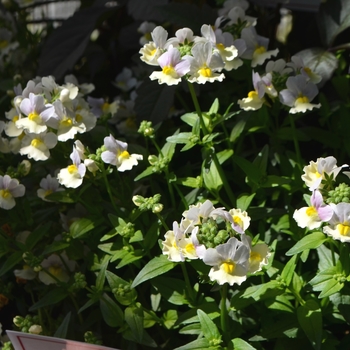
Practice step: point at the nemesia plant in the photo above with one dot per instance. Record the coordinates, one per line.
(163, 195)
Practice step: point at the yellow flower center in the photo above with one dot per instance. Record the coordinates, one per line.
(252, 94)
(124, 155)
(105, 107)
(66, 122)
(35, 117)
(72, 169)
(220, 46)
(78, 118)
(36, 142)
(302, 99)
(168, 70)
(55, 270)
(228, 266)
(3, 44)
(5, 194)
(311, 211)
(259, 50)
(190, 248)
(47, 192)
(255, 256)
(15, 118)
(237, 220)
(317, 174)
(153, 52)
(206, 72)
(344, 230)
(307, 70)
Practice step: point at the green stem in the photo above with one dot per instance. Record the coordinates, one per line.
(223, 309)
(295, 140)
(214, 156)
(188, 284)
(162, 221)
(108, 187)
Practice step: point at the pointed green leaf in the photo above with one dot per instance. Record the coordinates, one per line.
(111, 312)
(198, 344)
(148, 171)
(310, 320)
(182, 137)
(157, 266)
(61, 331)
(214, 107)
(51, 298)
(190, 118)
(326, 283)
(311, 241)
(10, 262)
(127, 295)
(244, 201)
(288, 270)
(209, 329)
(81, 226)
(240, 344)
(134, 319)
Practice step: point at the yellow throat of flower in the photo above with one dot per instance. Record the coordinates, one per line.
(228, 266)
(343, 229)
(35, 117)
(36, 143)
(302, 99)
(72, 169)
(205, 71)
(311, 211)
(5, 194)
(259, 50)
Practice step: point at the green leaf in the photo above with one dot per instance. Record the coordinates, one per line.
(190, 118)
(134, 319)
(194, 182)
(326, 283)
(171, 289)
(244, 201)
(157, 266)
(55, 246)
(333, 18)
(211, 177)
(81, 226)
(129, 257)
(62, 196)
(181, 137)
(237, 130)
(310, 320)
(259, 290)
(10, 262)
(214, 108)
(128, 296)
(288, 270)
(52, 297)
(325, 256)
(170, 317)
(240, 344)
(61, 331)
(252, 171)
(209, 329)
(111, 312)
(311, 241)
(100, 280)
(198, 344)
(148, 171)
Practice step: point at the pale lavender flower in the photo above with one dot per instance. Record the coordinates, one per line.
(297, 64)
(229, 261)
(73, 175)
(48, 185)
(257, 47)
(339, 224)
(116, 154)
(9, 190)
(229, 4)
(299, 93)
(124, 80)
(314, 215)
(173, 67)
(37, 112)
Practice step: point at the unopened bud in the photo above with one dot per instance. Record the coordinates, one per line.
(35, 329)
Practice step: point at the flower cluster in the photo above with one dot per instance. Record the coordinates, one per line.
(210, 234)
(293, 82)
(329, 204)
(201, 59)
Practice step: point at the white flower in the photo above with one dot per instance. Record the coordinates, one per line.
(48, 185)
(118, 155)
(73, 175)
(55, 269)
(314, 215)
(339, 224)
(151, 51)
(240, 220)
(37, 146)
(299, 93)
(9, 190)
(173, 67)
(315, 172)
(124, 80)
(206, 64)
(27, 273)
(258, 256)
(256, 47)
(229, 262)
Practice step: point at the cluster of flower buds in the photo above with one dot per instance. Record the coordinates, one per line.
(210, 234)
(329, 204)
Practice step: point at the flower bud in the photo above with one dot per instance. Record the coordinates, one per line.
(35, 329)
